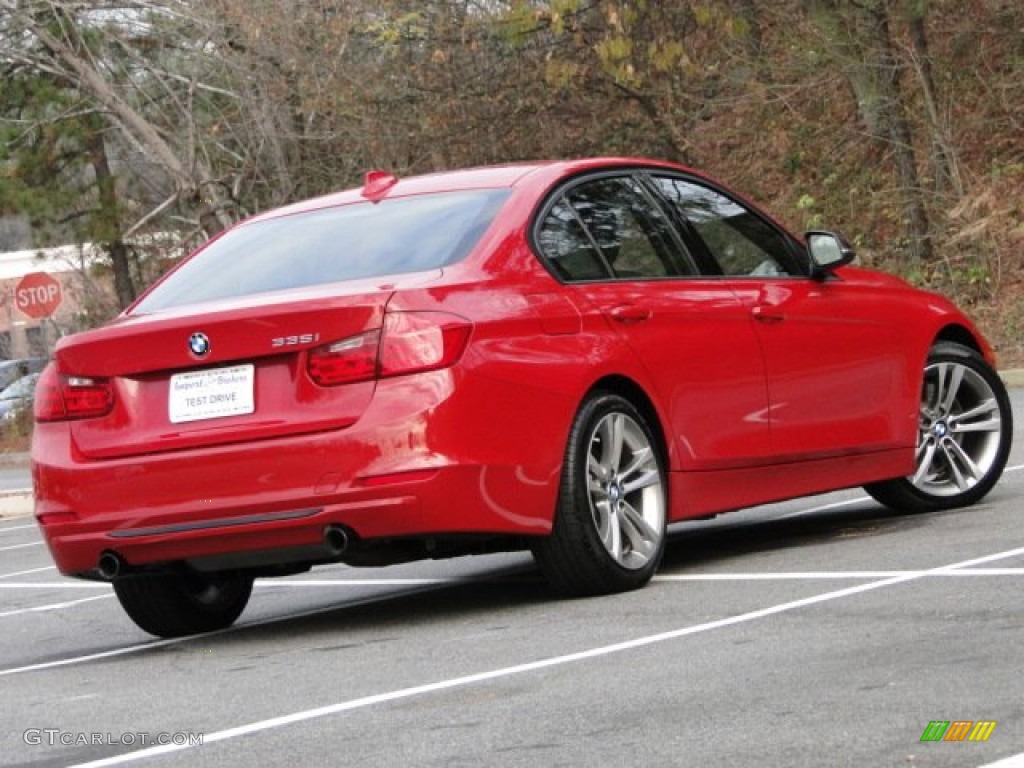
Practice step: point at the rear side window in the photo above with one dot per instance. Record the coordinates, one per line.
(608, 229)
(361, 240)
(568, 248)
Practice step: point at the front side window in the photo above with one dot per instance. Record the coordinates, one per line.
(349, 242)
(608, 229)
(741, 242)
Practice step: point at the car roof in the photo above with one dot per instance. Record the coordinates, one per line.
(541, 173)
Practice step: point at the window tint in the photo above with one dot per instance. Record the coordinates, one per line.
(739, 240)
(607, 228)
(568, 248)
(393, 236)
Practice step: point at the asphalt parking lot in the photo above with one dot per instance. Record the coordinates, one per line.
(820, 632)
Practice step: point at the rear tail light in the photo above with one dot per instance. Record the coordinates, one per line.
(346, 361)
(421, 341)
(60, 397)
(409, 342)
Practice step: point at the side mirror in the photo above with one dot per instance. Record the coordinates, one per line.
(828, 250)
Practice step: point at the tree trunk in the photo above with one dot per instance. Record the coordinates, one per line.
(897, 128)
(861, 42)
(196, 185)
(109, 221)
(754, 40)
(944, 155)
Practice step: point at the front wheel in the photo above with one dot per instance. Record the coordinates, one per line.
(178, 603)
(609, 528)
(964, 432)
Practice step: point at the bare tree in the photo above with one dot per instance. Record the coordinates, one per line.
(859, 37)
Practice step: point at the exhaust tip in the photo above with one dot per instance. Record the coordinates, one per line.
(109, 566)
(335, 540)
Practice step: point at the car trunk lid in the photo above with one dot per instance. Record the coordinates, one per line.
(251, 383)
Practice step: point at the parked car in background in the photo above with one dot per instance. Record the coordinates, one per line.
(563, 356)
(17, 396)
(12, 370)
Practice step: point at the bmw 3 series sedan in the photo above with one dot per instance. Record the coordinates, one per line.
(563, 357)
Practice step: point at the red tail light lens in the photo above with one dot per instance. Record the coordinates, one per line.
(409, 342)
(421, 341)
(346, 361)
(60, 397)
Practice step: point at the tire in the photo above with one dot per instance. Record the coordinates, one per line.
(610, 523)
(178, 603)
(966, 426)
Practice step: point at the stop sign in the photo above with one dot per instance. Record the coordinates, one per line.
(38, 295)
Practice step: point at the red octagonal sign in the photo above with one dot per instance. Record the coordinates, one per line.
(38, 295)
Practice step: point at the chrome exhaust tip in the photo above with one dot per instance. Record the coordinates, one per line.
(110, 566)
(335, 540)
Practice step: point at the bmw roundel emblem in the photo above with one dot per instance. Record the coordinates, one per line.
(199, 344)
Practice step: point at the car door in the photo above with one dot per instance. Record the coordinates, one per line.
(834, 365)
(619, 254)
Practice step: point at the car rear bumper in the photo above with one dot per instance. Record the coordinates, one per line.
(398, 472)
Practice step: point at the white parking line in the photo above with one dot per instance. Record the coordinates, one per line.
(25, 573)
(835, 575)
(53, 606)
(853, 501)
(21, 546)
(519, 669)
(55, 585)
(359, 582)
(664, 577)
(18, 528)
(1014, 761)
(129, 649)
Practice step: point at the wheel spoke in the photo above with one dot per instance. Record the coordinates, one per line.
(961, 463)
(612, 437)
(611, 533)
(647, 479)
(642, 537)
(948, 391)
(601, 514)
(965, 422)
(641, 457)
(922, 448)
(924, 463)
(991, 425)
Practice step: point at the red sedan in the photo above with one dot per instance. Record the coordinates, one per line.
(561, 356)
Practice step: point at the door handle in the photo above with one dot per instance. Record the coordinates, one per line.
(767, 314)
(629, 313)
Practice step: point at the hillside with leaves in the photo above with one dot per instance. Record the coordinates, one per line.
(899, 122)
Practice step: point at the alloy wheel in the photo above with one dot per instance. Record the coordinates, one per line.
(959, 431)
(625, 489)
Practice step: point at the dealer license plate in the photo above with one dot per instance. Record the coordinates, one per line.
(211, 394)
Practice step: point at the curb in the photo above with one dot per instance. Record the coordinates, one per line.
(14, 459)
(16, 504)
(1013, 377)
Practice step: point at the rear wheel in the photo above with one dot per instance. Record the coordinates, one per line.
(964, 434)
(180, 603)
(609, 528)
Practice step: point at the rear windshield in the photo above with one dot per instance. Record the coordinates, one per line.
(393, 236)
